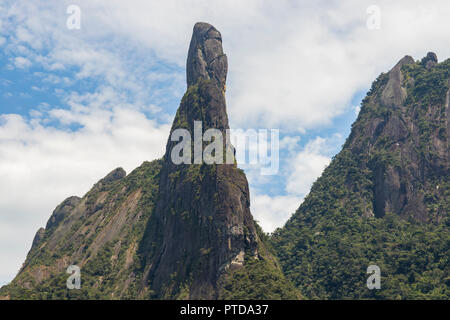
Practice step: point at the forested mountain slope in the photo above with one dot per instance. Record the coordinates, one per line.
(384, 199)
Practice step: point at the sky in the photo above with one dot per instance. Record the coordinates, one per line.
(77, 103)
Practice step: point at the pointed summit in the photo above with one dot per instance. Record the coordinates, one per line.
(206, 59)
(202, 229)
(394, 94)
(430, 60)
(166, 230)
(202, 217)
(386, 193)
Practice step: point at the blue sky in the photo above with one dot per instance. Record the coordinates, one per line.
(75, 104)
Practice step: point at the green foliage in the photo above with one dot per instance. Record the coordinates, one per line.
(326, 247)
(104, 274)
(193, 104)
(429, 85)
(260, 277)
(328, 259)
(257, 280)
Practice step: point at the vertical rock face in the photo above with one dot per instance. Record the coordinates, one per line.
(384, 198)
(402, 134)
(202, 219)
(100, 233)
(430, 60)
(62, 211)
(206, 59)
(165, 230)
(38, 238)
(394, 94)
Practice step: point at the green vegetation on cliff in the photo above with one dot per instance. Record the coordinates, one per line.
(261, 277)
(110, 269)
(382, 201)
(186, 232)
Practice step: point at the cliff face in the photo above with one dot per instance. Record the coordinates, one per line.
(401, 137)
(384, 199)
(185, 231)
(166, 230)
(101, 233)
(206, 59)
(202, 217)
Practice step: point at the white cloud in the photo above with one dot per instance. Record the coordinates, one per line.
(294, 65)
(307, 166)
(21, 62)
(41, 166)
(273, 212)
(299, 173)
(289, 143)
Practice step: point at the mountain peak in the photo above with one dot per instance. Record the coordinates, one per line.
(116, 174)
(206, 59)
(407, 59)
(394, 94)
(385, 192)
(430, 60)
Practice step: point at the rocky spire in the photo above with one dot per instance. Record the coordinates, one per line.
(206, 59)
(202, 219)
(430, 60)
(177, 231)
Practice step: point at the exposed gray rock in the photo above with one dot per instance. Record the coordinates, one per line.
(430, 60)
(114, 175)
(432, 57)
(403, 180)
(165, 230)
(238, 261)
(62, 211)
(394, 94)
(202, 217)
(206, 59)
(38, 238)
(430, 64)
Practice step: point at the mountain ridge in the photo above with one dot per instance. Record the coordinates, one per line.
(384, 198)
(185, 231)
(166, 230)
